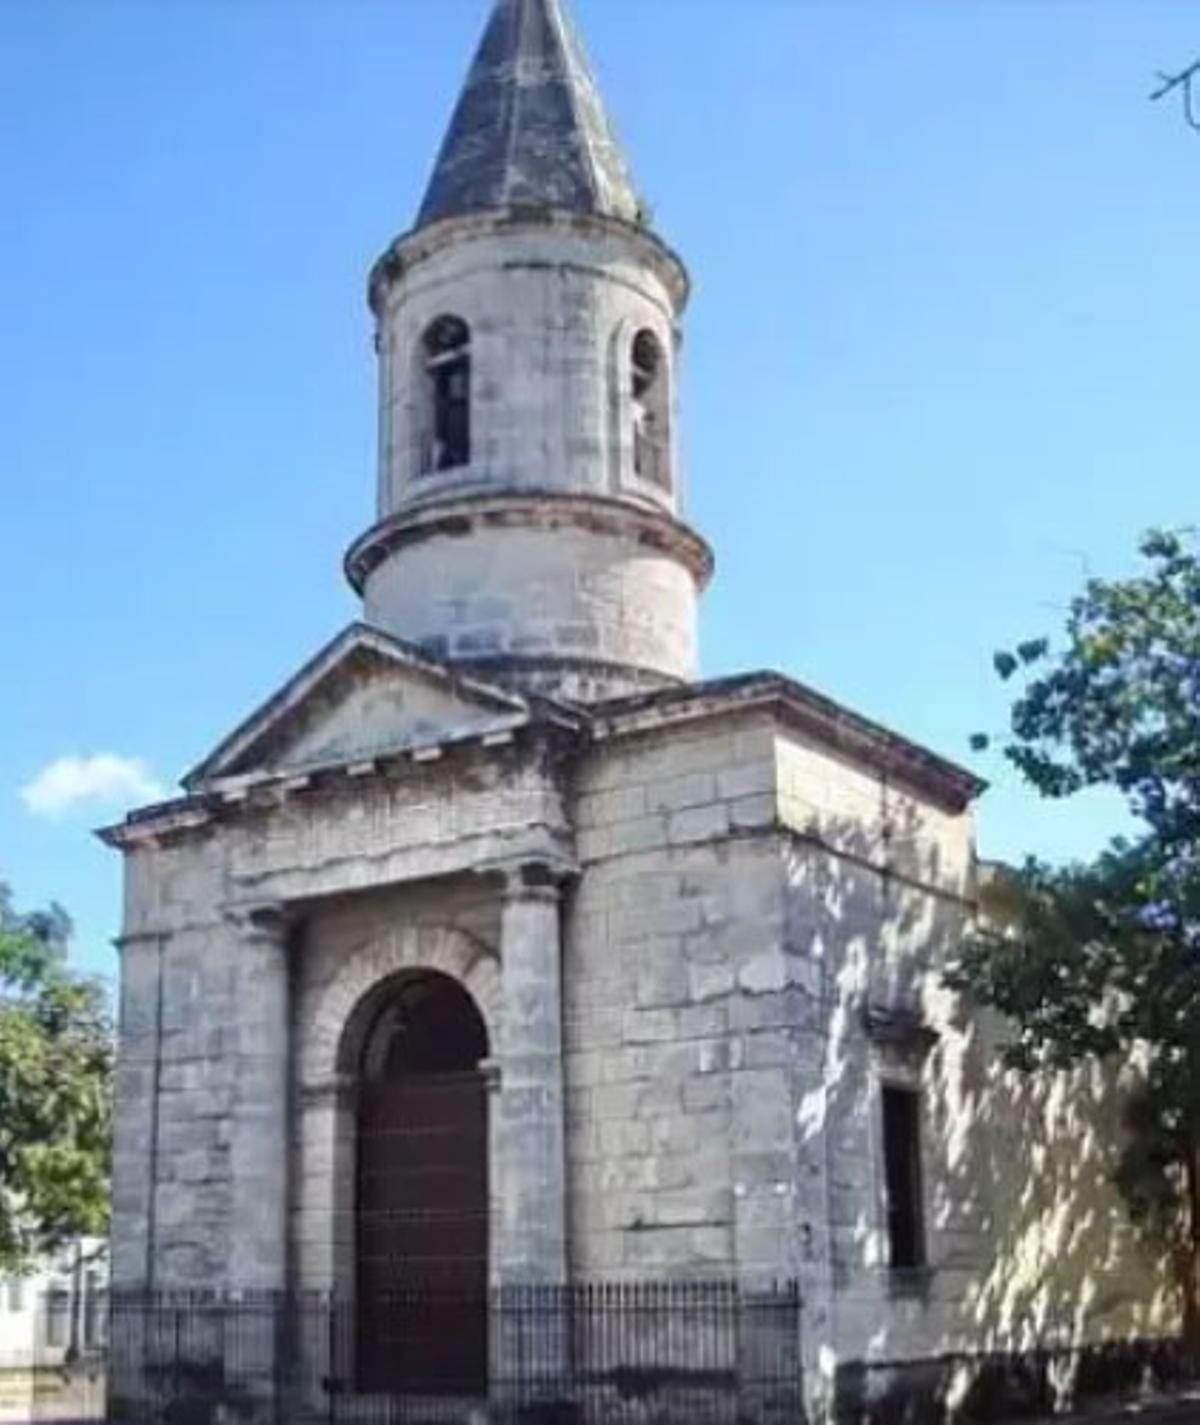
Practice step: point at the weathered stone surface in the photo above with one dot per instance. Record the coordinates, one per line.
(530, 128)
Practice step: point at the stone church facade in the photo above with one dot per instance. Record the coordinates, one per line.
(603, 972)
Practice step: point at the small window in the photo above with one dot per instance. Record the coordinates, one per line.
(902, 1177)
(58, 1317)
(651, 411)
(93, 1309)
(446, 355)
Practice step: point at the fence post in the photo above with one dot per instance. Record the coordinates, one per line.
(333, 1363)
(177, 1350)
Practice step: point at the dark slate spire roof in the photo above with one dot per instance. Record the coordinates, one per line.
(530, 129)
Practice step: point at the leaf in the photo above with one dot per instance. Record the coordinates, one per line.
(980, 742)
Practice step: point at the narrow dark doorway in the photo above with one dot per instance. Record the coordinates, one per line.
(902, 1177)
(422, 1201)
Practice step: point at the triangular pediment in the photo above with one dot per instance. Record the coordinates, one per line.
(365, 695)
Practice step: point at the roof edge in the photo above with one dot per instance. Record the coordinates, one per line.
(833, 723)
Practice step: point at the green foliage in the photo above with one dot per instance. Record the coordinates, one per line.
(1103, 960)
(1120, 705)
(56, 1061)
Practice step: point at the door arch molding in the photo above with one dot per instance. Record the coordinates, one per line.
(331, 1022)
(331, 1026)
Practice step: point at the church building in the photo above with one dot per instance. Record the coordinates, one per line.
(500, 949)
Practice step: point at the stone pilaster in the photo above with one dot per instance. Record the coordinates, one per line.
(323, 1189)
(532, 1237)
(490, 1069)
(259, 1141)
(135, 1133)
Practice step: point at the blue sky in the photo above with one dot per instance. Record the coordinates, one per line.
(941, 359)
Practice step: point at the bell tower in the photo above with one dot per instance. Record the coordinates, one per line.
(528, 330)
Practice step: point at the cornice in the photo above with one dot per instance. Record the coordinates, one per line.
(555, 666)
(812, 713)
(420, 244)
(233, 796)
(462, 516)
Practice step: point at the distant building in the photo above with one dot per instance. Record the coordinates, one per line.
(496, 949)
(60, 1306)
(53, 1315)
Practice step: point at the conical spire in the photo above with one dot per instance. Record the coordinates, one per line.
(530, 129)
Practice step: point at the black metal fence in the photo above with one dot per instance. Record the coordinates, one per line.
(642, 1353)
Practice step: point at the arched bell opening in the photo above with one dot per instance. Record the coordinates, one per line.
(651, 408)
(445, 436)
(421, 1210)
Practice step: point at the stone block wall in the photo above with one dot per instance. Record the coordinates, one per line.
(172, 1178)
(203, 1036)
(543, 301)
(680, 1013)
(559, 587)
(547, 547)
(879, 885)
(1029, 1245)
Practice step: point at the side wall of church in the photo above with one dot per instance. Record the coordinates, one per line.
(1027, 1241)
(680, 1012)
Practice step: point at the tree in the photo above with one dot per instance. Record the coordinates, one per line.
(56, 1062)
(1102, 961)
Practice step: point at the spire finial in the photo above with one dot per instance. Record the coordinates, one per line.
(530, 130)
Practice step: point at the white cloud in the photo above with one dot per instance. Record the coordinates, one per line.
(103, 780)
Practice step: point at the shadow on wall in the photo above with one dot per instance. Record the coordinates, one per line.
(1033, 1286)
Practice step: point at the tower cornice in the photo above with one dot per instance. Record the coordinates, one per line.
(466, 515)
(420, 244)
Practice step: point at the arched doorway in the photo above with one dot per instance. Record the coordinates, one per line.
(421, 1214)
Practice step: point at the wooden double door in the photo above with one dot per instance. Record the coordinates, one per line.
(422, 1224)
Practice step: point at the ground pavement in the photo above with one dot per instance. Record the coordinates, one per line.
(1182, 1408)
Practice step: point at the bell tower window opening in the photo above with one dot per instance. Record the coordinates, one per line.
(446, 357)
(651, 411)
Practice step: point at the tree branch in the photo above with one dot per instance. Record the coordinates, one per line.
(1184, 81)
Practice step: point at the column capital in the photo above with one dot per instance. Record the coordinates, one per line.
(132, 939)
(338, 1089)
(532, 878)
(260, 920)
(491, 1074)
